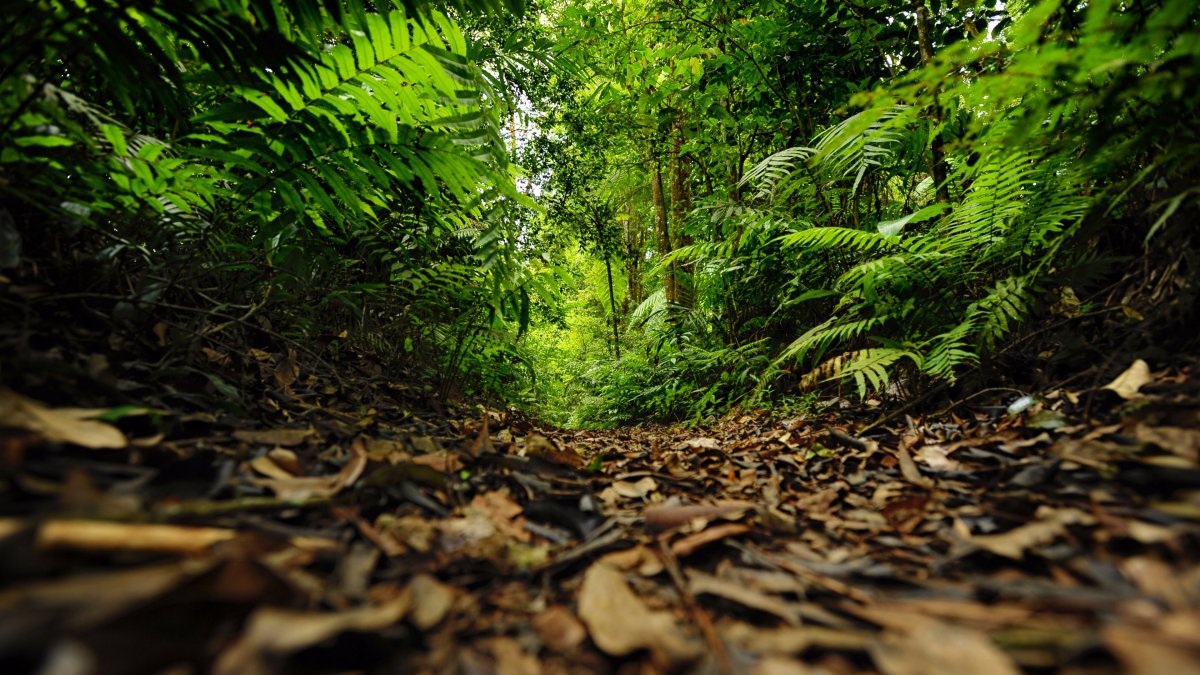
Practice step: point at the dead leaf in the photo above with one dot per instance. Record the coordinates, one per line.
(299, 489)
(62, 425)
(936, 457)
(442, 462)
(1051, 524)
(620, 623)
(98, 595)
(287, 371)
(281, 437)
(638, 559)
(703, 584)
(97, 535)
(797, 639)
(504, 512)
(269, 468)
(431, 601)
(559, 629)
(287, 460)
(777, 665)
(702, 443)
(1129, 382)
(1145, 652)
(930, 646)
(635, 490)
(510, 658)
(273, 632)
(687, 545)
(1182, 442)
(909, 470)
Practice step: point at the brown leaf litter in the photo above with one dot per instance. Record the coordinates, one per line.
(350, 532)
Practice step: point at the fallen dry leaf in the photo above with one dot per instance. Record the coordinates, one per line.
(510, 658)
(504, 512)
(62, 425)
(302, 488)
(635, 490)
(1146, 652)
(559, 629)
(1051, 524)
(1127, 384)
(105, 536)
(687, 545)
(929, 646)
(99, 595)
(97, 535)
(620, 623)
(431, 601)
(282, 437)
(273, 632)
(704, 584)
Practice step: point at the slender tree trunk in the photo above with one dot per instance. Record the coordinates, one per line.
(662, 232)
(685, 291)
(938, 168)
(612, 303)
(633, 253)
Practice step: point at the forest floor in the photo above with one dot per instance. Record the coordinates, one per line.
(342, 526)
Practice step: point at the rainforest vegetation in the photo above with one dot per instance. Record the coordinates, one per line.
(599, 336)
(607, 213)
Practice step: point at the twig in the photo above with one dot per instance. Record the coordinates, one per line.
(699, 616)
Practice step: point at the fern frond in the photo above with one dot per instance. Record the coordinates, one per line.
(839, 237)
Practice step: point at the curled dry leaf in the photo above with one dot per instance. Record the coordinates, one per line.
(1051, 524)
(1129, 382)
(431, 601)
(689, 544)
(702, 443)
(105, 536)
(268, 467)
(306, 487)
(638, 559)
(62, 425)
(620, 623)
(96, 535)
(635, 490)
(273, 632)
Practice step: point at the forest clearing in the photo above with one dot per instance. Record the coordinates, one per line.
(517, 337)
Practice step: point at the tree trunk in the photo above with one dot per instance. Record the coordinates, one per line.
(612, 303)
(633, 260)
(662, 232)
(681, 199)
(938, 164)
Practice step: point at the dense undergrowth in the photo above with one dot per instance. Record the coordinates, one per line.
(604, 213)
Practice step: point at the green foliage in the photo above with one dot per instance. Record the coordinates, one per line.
(350, 151)
(739, 200)
(1066, 132)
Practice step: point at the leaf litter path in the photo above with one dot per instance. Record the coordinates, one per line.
(357, 535)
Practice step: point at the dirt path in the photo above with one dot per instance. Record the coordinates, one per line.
(354, 534)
